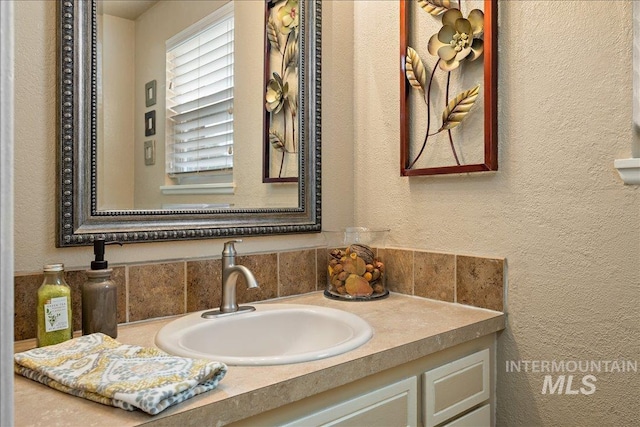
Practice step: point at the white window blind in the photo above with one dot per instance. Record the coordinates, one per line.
(200, 96)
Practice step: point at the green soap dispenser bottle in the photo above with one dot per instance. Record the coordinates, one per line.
(54, 307)
(100, 296)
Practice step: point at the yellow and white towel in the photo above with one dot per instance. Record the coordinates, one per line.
(99, 368)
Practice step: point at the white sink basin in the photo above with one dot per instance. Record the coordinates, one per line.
(273, 334)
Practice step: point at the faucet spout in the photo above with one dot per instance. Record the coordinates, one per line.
(229, 278)
(230, 273)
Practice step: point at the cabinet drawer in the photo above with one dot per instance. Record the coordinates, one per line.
(392, 405)
(480, 417)
(455, 387)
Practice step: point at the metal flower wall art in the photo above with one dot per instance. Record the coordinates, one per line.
(281, 93)
(448, 71)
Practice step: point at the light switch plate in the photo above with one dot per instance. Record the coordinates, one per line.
(150, 152)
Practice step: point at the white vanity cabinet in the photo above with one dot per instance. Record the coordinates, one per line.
(456, 387)
(395, 404)
(453, 387)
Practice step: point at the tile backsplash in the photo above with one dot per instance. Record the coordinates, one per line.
(152, 290)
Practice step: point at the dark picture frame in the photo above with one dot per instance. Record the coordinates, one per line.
(414, 159)
(150, 123)
(150, 93)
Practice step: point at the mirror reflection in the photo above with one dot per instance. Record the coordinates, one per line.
(180, 104)
(110, 162)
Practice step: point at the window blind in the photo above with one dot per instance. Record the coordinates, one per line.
(200, 96)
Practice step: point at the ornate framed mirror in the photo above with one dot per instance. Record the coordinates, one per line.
(98, 162)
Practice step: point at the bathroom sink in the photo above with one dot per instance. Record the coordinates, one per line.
(273, 334)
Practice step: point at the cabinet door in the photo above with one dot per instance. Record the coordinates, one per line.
(455, 387)
(394, 405)
(480, 417)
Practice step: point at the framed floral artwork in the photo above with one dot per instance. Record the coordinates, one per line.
(281, 124)
(448, 89)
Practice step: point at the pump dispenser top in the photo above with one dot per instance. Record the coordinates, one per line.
(99, 263)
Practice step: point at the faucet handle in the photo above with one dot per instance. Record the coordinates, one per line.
(229, 247)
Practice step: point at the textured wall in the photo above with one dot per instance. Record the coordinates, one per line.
(556, 209)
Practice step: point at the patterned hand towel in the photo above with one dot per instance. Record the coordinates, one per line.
(99, 368)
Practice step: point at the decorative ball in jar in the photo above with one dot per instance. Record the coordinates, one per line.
(355, 269)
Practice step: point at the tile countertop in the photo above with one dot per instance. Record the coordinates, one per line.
(405, 328)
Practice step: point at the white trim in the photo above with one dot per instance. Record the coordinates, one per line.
(629, 169)
(6, 211)
(218, 188)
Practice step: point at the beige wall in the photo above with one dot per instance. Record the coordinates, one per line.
(556, 209)
(115, 113)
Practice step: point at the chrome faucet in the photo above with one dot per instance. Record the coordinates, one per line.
(230, 272)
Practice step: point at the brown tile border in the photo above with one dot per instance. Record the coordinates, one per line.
(399, 267)
(156, 290)
(160, 289)
(297, 272)
(265, 270)
(435, 276)
(480, 282)
(25, 301)
(201, 277)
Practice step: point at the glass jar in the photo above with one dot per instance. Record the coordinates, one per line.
(356, 270)
(54, 307)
